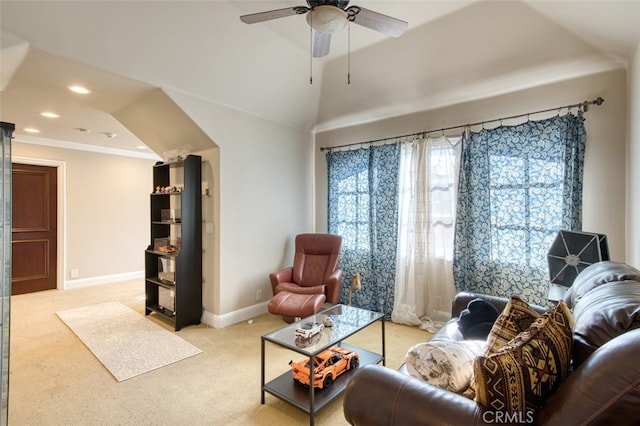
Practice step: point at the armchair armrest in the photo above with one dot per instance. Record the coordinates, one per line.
(378, 395)
(283, 275)
(333, 286)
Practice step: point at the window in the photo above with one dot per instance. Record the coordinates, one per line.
(428, 197)
(352, 195)
(526, 206)
(519, 186)
(363, 209)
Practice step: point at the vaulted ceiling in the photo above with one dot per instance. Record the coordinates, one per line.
(453, 51)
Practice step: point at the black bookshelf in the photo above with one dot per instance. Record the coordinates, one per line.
(173, 259)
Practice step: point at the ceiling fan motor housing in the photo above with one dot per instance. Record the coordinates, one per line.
(342, 4)
(328, 16)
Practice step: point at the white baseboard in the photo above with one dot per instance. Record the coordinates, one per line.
(208, 318)
(225, 320)
(104, 279)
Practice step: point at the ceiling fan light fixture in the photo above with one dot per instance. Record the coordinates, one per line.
(326, 18)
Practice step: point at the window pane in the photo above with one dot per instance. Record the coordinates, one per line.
(540, 243)
(362, 207)
(510, 246)
(545, 207)
(508, 207)
(347, 184)
(347, 207)
(506, 170)
(545, 172)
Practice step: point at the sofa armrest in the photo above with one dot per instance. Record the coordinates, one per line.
(604, 390)
(378, 395)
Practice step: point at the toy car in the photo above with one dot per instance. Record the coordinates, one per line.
(304, 342)
(309, 329)
(328, 365)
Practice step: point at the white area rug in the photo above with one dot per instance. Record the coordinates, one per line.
(127, 343)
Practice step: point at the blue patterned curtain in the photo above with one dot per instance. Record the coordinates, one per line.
(363, 209)
(518, 186)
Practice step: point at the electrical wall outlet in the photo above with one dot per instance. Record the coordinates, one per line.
(259, 295)
(74, 273)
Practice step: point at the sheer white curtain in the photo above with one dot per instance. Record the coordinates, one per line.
(427, 204)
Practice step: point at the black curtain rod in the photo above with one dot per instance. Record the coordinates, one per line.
(584, 106)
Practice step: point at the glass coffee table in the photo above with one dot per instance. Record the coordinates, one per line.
(346, 321)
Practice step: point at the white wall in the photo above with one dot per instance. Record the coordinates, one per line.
(260, 178)
(633, 158)
(106, 212)
(605, 177)
(264, 183)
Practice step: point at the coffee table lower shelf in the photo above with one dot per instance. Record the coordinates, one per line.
(285, 388)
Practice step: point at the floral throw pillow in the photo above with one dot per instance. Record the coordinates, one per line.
(446, 364)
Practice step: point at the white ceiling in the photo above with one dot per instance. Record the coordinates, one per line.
(453, 51)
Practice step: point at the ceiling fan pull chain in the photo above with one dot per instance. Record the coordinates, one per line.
(349, 52)
(311, 52)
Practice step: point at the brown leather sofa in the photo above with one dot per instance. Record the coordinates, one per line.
(603, 387)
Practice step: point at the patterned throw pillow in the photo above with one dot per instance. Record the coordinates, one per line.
(516, 317)
(518, 378)
(442, 363)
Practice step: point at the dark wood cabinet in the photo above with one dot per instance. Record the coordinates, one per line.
(173, 260)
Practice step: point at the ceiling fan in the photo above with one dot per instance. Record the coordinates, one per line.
(327, 16)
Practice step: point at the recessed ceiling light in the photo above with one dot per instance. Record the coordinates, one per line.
(49, 114)
(141, 147)
(109, 135)
(83, 130)
(79, 89)
(31, 130)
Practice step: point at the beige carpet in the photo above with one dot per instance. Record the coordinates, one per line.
(56, 381)
(125, 342)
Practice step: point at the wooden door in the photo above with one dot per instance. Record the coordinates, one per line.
(34, 243)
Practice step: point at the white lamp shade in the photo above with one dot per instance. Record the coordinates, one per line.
(327, 19)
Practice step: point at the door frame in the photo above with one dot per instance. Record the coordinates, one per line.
(61, 168)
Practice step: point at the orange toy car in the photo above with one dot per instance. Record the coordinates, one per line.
(328, 365)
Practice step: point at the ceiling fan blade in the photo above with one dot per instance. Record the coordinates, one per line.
(377, 21)
(321, 44)
(273, 14)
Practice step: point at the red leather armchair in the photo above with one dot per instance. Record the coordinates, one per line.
(315, 268)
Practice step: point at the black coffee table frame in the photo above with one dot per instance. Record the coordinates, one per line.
(347, 321)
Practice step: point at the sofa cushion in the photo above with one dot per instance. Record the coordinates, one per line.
(448, 365)
(596, 275)
(603, 314)
(516, 317)
(519, 377)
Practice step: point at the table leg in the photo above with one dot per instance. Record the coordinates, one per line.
(262, 373)
(311, 392)
(384, 352)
